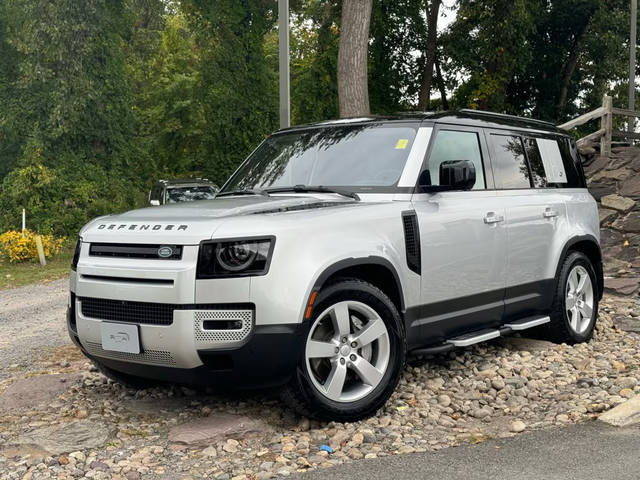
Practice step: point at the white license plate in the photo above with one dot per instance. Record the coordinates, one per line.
(120, 337)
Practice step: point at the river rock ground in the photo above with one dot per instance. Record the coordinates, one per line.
(59, 418)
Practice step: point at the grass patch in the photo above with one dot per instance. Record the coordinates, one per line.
(19, 274)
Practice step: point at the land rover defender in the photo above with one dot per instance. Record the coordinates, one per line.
(337, 249)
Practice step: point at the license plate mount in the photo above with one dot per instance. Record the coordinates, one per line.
(120, 337)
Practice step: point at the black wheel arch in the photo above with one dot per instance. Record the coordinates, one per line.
(376, 270)
(589, 245)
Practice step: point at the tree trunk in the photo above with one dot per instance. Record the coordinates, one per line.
(353, 91)
(430, 54)
(441, 87)
(570, 67)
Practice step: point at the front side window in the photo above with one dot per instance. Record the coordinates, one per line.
(455, 145)
(510, 168)
(360, 157)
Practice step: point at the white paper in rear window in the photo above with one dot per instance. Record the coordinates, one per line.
(552, 160)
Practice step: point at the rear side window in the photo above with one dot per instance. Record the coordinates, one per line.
(456, 145)
(538, 174)
(553, 163)
(509, 163)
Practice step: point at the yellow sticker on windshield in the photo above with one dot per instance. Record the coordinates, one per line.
(402, 143)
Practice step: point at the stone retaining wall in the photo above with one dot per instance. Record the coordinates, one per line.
(615, 183)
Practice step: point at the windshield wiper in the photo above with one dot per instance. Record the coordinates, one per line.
(254, 191)
(311, 188)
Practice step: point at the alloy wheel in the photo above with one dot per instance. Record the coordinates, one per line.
(579, 299)
(347, 351)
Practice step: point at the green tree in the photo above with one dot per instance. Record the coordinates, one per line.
(74, 115)
(163, 66)
(606, 55)
(548, 59)
(432, 12)
(314, 58)
(397, 33)
(488, 45)
(239, 94)
(9, 112)
(562, 28)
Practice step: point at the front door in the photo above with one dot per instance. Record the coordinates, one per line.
(463, 243)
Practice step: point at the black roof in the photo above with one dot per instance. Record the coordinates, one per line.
(460, 117)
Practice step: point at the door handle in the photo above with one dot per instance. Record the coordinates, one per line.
(491, 217)
(549, 213)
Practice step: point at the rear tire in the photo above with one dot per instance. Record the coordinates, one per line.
(126, 380)
(575, 304)
(353, 356)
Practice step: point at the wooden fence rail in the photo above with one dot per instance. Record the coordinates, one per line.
(606, 132)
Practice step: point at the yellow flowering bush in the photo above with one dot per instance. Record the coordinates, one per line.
(18, 246)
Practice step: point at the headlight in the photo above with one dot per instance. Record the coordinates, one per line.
(231, 258)
(76, 254)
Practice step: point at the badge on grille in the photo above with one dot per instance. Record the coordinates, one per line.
(165, 251)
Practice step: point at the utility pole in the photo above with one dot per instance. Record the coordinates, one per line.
(283, 57)
(632, 62)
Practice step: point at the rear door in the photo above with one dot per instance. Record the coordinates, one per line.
(463, 242)
(528, 172)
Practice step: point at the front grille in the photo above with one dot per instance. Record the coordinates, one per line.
(159, 313)
(127, 311)
(135, 250)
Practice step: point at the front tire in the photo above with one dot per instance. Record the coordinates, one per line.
(575, 305)
(353, 356)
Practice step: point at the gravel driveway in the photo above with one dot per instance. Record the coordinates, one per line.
(32, 321)
(59, 418)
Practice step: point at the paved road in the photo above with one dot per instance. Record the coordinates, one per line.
(32, 318)
(587, 451)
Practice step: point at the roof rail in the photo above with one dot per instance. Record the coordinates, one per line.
(506, 115)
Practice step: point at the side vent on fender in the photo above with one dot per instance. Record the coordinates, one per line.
(412, 240)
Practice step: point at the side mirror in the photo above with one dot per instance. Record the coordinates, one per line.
(457, 175)
(155, 203)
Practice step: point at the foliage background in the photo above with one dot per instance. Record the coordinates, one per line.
(99, 97)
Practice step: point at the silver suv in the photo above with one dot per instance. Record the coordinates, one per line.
(336, 250)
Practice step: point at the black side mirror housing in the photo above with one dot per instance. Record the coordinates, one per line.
(454, 175)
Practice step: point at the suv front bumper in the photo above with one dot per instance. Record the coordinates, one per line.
(265, 355)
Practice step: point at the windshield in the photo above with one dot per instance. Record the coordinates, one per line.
(190, 193)
(359, 157)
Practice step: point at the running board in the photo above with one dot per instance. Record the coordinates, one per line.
(482, 335)
(526, 323)
(474, 337)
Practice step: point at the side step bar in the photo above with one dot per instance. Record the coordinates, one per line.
(525, 323)
(473, 338)
(482, 335)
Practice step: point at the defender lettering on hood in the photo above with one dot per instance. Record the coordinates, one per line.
(134, 226)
